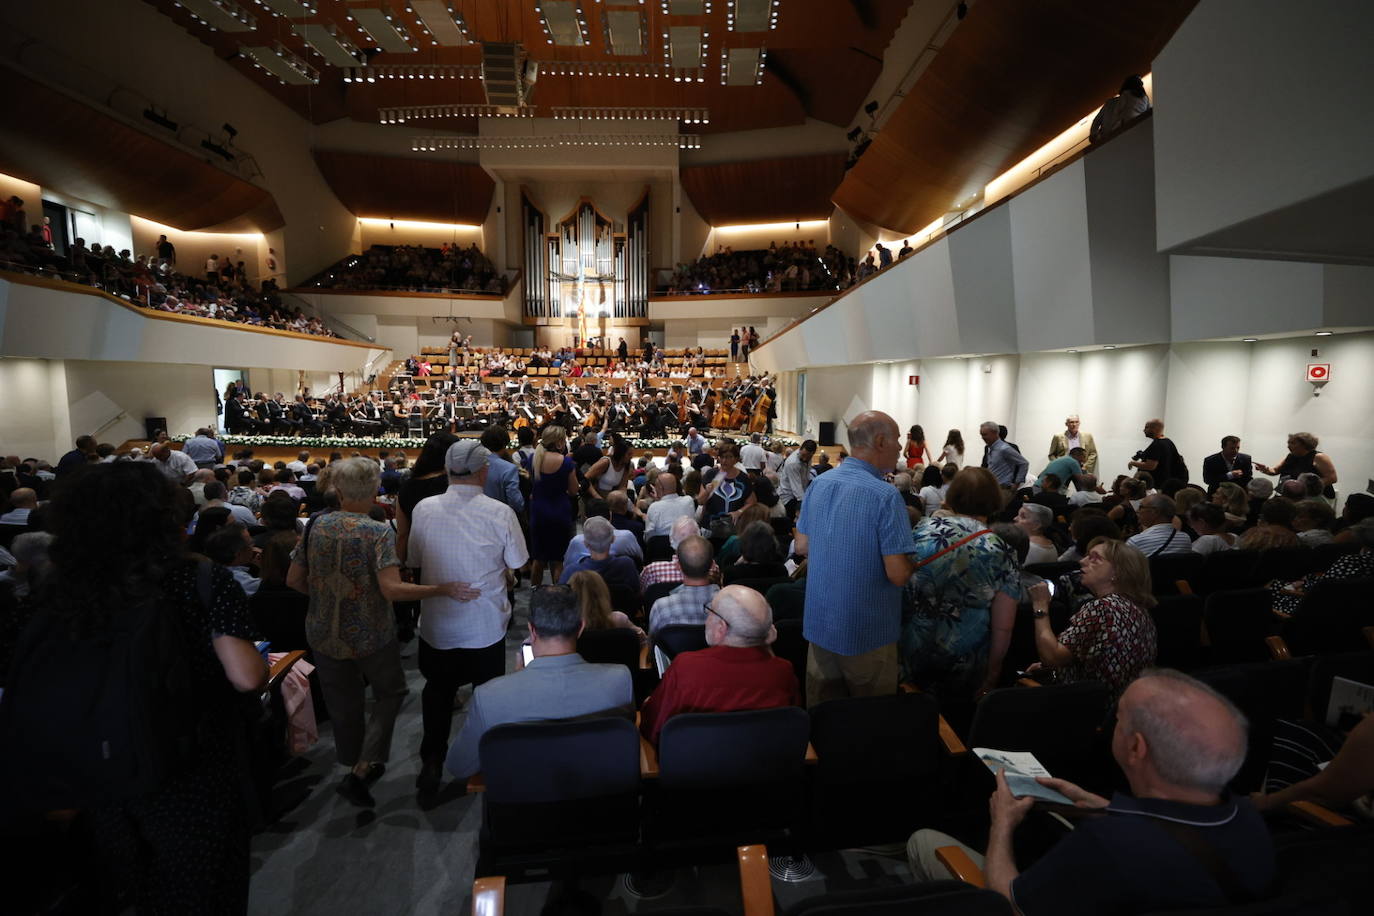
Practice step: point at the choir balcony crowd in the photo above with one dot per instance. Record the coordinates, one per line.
(1021, 606)
(224, 293)
(790, 267)
(415, 269)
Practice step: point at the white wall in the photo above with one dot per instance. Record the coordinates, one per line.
(410, 232)
(93, 328)
(1203, 391)
(194, 248)
(34, 421)
(97, 391)
(1254, 102)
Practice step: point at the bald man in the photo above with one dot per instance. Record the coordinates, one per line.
(22, 501)
(1178, 840)
(853, 528)
(736, 671)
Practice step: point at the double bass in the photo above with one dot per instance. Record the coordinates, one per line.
(721, 418)
(740, 414)
(758, 421)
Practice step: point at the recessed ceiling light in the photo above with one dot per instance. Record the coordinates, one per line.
(1249, 339)
(1325, 333)
(1110, 347)
(1073, 351)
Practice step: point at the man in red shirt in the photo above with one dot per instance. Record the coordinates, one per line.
(736, 671)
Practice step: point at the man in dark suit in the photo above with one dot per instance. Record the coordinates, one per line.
(237, 419)
(301, 412)
(1229, 465)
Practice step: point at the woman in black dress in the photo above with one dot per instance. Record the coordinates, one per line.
(183, 847)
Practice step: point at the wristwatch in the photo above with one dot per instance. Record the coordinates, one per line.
(1038, 613)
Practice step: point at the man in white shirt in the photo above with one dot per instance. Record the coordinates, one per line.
(795, 477)
(461, 535)
(752, 455)
(1158, 536)
(298, 466)
(668, 506)
(175, 465)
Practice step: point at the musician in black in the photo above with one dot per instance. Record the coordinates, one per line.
(238, 419)
(301, 412)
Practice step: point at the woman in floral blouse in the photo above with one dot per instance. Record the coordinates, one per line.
(963, 594)
(1112, 637)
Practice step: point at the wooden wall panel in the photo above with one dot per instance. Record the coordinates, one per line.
(395, 187)
(1012, 77)
(764, 190)
(55, 140)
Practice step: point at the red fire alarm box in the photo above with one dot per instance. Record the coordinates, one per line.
(913, 380)
(1319, 372)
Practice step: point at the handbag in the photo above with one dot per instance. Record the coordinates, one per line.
(722, 526)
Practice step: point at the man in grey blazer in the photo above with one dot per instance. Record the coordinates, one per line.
(556, 684)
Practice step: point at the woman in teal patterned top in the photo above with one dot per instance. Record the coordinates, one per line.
(962, 602)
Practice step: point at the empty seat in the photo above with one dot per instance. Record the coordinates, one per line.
(560, 797)
(1238, 621)
(878, 769)
(680, 637)
(612, 646)
(1265, 692)
(1167, 570)
(1228, 569)
(728, 779)
(1178, 630)
(928, 898)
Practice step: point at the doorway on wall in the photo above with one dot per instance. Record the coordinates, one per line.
(222, 379)
(56, 215)
(801, 405)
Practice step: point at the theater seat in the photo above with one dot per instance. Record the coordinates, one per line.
(929, 898)
(878, 771)
(561, 798)
(1237, 621)
(1061, 724)
(1331, 617)
(728, 779)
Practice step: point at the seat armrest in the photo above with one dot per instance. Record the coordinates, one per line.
(1028, 682)
(476, 783)
(960, 866)
(755, 884)
(648, 757)
(1317, 814)
(1183, 586)
(953, 745)
(1368, 636)
(489, 896)
(1278, 648)
(644, 663)
(811, 756)
(282, 665)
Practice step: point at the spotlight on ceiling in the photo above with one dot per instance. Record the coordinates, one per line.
(871, 108)
(229, 129)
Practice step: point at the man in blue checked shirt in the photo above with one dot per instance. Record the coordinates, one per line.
(854, 531)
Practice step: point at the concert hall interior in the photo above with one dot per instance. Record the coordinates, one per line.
(348, 225)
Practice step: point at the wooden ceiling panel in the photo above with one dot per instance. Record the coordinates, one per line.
(1011, 77)
(832, 51)
(394, 187)
(764, 190)
(57, 141)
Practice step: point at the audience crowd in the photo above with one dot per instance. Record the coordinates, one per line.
(790, 267)
(900, 568)
(415, 269)
(226, 293)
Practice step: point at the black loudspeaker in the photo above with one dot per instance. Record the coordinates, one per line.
(827, 433)
(151, 425)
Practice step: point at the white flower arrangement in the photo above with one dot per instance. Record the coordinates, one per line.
(399, 442)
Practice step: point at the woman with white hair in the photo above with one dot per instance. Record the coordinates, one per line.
(1035, 520)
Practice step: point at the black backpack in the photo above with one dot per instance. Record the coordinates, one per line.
(100, 719)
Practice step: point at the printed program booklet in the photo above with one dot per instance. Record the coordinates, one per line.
(1350, 700)
(1021, 769)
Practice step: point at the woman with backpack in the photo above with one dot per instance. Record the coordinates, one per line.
(123, 696)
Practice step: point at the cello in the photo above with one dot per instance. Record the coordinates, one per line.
(740, 414)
